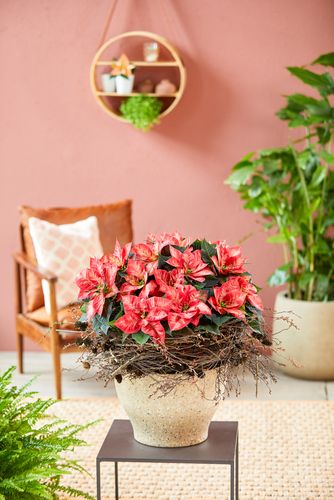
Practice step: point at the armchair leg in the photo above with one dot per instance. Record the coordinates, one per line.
(19, 350)
(55, 349)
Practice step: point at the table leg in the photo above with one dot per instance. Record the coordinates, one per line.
(116, 481)
(98, 480)
(237, 471)
(232, 489)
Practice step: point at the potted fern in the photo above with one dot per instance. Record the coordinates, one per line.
(32, 446)
(292, 187)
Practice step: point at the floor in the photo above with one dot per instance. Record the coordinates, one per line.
(79, 383)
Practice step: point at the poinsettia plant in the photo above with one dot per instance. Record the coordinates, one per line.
(166, 284)
(182, 299)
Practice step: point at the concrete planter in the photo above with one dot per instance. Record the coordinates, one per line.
(180, 418)
(312, 345)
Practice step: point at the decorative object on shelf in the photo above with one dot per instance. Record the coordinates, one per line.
(151, 51)
(123, 71)
(124, 85)
(165, 87)
(122, 67)
(142, 111)
(108, 82)
(146, 86)
(293, 188)
(171, 320)
(110, 101)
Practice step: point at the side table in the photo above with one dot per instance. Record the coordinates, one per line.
(221, 447)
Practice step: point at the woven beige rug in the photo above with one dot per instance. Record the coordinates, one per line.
(286, 452)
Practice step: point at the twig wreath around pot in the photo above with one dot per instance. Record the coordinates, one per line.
(171, 320)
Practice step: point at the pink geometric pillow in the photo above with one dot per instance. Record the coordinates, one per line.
(64, 250)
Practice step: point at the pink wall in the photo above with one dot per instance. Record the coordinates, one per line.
(59, 148)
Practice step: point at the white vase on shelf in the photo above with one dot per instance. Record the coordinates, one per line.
(124, 85)
(108, 82)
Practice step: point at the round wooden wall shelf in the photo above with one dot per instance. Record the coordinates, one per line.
(170, 65)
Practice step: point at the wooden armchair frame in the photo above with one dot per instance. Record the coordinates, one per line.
(48, 338)
(50, 331)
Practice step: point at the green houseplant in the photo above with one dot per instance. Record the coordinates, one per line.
(142, 111)
(32, 445)
(292, 187)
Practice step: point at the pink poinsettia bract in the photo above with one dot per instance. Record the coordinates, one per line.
(168, 284)
(97, 284)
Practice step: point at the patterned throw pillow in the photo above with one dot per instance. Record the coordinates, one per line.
(64, 250)
(114, 221)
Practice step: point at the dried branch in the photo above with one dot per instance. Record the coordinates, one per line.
(187, 354)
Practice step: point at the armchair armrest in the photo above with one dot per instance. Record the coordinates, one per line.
(22, 259)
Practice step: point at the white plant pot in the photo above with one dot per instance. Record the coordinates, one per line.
(108, 84)
(312, 345)
(124, 85)
(179, 418)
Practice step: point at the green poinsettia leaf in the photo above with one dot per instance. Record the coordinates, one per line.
(221, 320)
(197, 244)
(140, 337)
(162, 262)
(209, 326)
(100, 324)
(209, 248)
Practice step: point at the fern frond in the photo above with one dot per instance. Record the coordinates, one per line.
(32, 460)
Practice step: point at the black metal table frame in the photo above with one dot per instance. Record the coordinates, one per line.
(234, 468)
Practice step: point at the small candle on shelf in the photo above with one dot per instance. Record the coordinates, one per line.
(151, 51)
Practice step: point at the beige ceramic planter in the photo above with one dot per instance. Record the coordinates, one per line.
(312, 345)
(179, 418)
